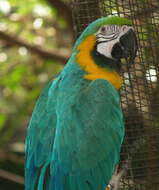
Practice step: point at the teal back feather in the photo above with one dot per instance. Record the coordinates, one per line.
(75, 133)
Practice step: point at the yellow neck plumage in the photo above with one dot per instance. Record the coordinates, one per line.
(94, 71)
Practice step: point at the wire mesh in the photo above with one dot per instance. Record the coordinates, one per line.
(140, 91)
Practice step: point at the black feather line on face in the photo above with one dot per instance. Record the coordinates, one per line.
(97, 42)
(104, 61)
(106, 38)
(109, 29)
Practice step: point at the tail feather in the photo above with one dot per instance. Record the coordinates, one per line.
(42, 178)
(60, 180)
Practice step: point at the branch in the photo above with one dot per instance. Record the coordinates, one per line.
(63, 10)
(11, 177)
(13, 40)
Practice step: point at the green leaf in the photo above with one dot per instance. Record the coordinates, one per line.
(2, 120)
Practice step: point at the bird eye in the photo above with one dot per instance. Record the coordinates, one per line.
(103, 29)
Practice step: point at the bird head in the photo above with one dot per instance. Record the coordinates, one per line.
(114, 38)
(104, 43)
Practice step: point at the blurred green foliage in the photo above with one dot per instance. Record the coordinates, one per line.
(23, 73)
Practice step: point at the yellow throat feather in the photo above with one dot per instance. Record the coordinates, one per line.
(84, 59)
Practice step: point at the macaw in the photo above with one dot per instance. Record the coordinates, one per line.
(75, 134)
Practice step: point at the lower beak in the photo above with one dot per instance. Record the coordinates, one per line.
(128, 44)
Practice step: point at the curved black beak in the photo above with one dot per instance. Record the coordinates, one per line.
(126, 47)
(129, 45)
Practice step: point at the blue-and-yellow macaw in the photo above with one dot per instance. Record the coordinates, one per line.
(76, 130)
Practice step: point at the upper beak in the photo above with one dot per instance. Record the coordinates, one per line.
(128, 42)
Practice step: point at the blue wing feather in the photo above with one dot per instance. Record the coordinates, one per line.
(40, 136)
(76, 131)
(89, 138)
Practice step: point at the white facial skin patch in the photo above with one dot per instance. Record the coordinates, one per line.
(105, 48)
(108, 36)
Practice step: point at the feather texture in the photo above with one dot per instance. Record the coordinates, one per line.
(75, 133)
